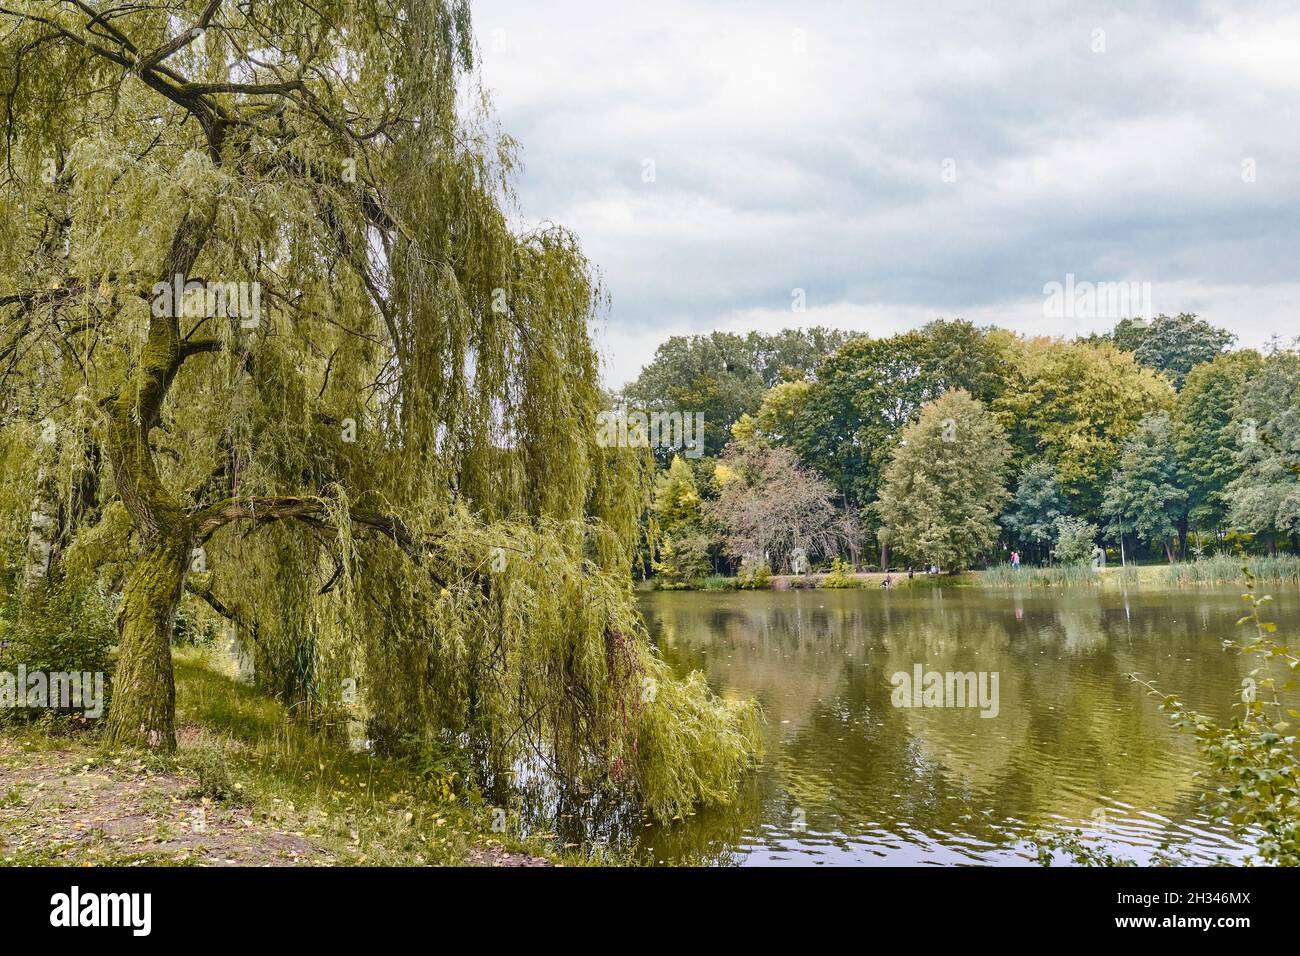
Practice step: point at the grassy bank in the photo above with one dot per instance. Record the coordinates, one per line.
(245, 787)
(1220, 569)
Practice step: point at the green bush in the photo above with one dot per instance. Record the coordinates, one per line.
(63, 630)
(212, 768)
(1074, 540)
(683, 559)
(754, 575)
(193, 629)
(839, 576)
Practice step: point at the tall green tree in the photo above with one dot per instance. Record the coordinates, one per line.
(257, 258)
(724, 375)
(1143, 494)
(1208, 433)
(681, 544)
(676, 497)
(1264, 497)
(945, 485)
(1075, 540)
(871, 389)
(1171, 344)
(1035, 509)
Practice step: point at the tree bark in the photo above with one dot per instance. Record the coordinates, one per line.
(44, 522)
(143, 713)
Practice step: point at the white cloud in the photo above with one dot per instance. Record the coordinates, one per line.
(814, 159)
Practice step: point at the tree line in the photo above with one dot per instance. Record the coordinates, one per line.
(951, 445)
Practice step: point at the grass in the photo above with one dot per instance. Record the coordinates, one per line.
(1061, 575)
(1225, 569)
(363, 808)
(241, 754)
(716, 582)
(1220, 569)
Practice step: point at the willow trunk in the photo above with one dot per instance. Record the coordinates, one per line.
(144, 690)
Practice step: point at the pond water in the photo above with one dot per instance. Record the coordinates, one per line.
(851, 778)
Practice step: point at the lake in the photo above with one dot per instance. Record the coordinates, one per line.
(849, 777)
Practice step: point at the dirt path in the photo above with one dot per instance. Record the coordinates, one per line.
(72, 807)
(65, 807)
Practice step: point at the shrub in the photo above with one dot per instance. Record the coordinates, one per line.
(65, 629)
(840, 575)
(1074, 540)
(192, 629)
(754, 575)
(213, 771)
(683, 558)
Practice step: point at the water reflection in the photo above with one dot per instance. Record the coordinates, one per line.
(850, 778)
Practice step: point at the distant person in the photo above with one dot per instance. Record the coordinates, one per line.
(1015, 560)
(888, 582)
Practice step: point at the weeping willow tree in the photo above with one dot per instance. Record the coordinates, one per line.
(270, 337)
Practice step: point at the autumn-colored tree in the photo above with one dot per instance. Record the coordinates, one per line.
(768, 504)
(1072, 404)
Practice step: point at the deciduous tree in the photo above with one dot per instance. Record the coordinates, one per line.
(1143, 495)
(945, 486)
(769, 504)
(1073, 404)
(1036, 507)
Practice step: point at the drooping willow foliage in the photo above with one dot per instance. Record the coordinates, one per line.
(376, 458)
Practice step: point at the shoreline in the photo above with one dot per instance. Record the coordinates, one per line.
(1178, 575)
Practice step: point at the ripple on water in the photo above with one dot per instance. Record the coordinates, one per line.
(1074, 746)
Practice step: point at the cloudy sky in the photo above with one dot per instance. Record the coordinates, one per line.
(907, 160)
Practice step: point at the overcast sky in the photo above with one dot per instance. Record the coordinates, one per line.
(908, 160)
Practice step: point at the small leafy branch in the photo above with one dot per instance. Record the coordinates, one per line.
(1253, 759)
